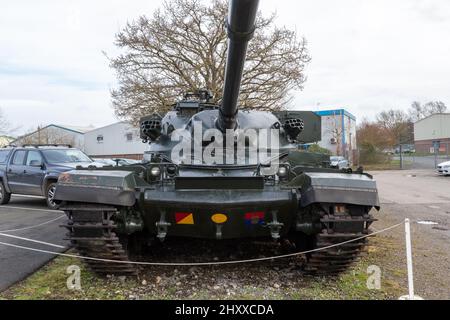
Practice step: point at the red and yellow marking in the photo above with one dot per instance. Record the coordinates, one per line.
(254, 218)
(184, 218)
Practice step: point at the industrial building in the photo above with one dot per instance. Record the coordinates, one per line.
(432, 132)
(55, 134)
(118, 140)
(6, 141)
(339, 132)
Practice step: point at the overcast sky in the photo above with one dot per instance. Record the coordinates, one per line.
(366, 55)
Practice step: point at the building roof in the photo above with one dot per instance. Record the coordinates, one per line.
(111, 125)
(74, 129)
(335, 112)
(78, 129)
(433, 115)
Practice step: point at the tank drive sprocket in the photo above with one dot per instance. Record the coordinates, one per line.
(91, 232)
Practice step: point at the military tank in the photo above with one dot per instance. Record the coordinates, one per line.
(204, 178)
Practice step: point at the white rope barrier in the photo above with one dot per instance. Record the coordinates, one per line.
(31, 240)
(200, 263)
(35, 226)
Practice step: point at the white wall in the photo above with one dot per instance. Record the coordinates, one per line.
(344, 135)
(115, 141)
(330, 124)
(434, 127)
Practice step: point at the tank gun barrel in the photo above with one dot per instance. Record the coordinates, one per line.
(241, 26)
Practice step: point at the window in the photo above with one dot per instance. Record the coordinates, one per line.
(100, 138)
(4, 155)
(65, 156)
(33, 155)
(19, 157)
(129, 136)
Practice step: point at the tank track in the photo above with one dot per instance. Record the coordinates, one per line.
(338, 229)
(91, 232)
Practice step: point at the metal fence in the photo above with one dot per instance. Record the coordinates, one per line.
(402, 158)
(413, 160)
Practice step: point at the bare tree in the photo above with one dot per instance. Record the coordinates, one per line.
(4, 124)
(433, 107)
(417, 111)
(182, 47)
(373, 134)
(372, 139)
(397, 127)
(335, 130)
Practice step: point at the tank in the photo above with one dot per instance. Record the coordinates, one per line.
(214, 171)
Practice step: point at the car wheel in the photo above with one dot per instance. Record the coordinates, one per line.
(5, 196)
(50, 195)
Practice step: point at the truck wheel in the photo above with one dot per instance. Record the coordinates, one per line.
(5, 196)
(49, 196)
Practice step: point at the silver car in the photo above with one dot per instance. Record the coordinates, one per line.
(444, 168)
(339, 162)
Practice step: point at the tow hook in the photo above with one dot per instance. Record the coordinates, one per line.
(275, 226)
(162, 226)
(218, 231)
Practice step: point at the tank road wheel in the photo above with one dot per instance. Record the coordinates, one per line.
(338, 228)
(5, 196)
(91, 232)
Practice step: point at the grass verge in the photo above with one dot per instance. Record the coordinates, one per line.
(391, 165)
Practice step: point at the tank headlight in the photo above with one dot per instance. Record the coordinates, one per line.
(171, 170)
(282, 172)
(155, 171)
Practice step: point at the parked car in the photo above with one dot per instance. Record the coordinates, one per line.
(105, 161)
(35, 170)
(406, 148)
(338, 162)
(444, 168)
(147, 156)
(125, 162)
(116, 161)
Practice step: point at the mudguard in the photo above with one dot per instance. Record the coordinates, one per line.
(97, 186)
(326, 187)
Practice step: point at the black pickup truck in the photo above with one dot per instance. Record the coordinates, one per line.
(35, 170)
